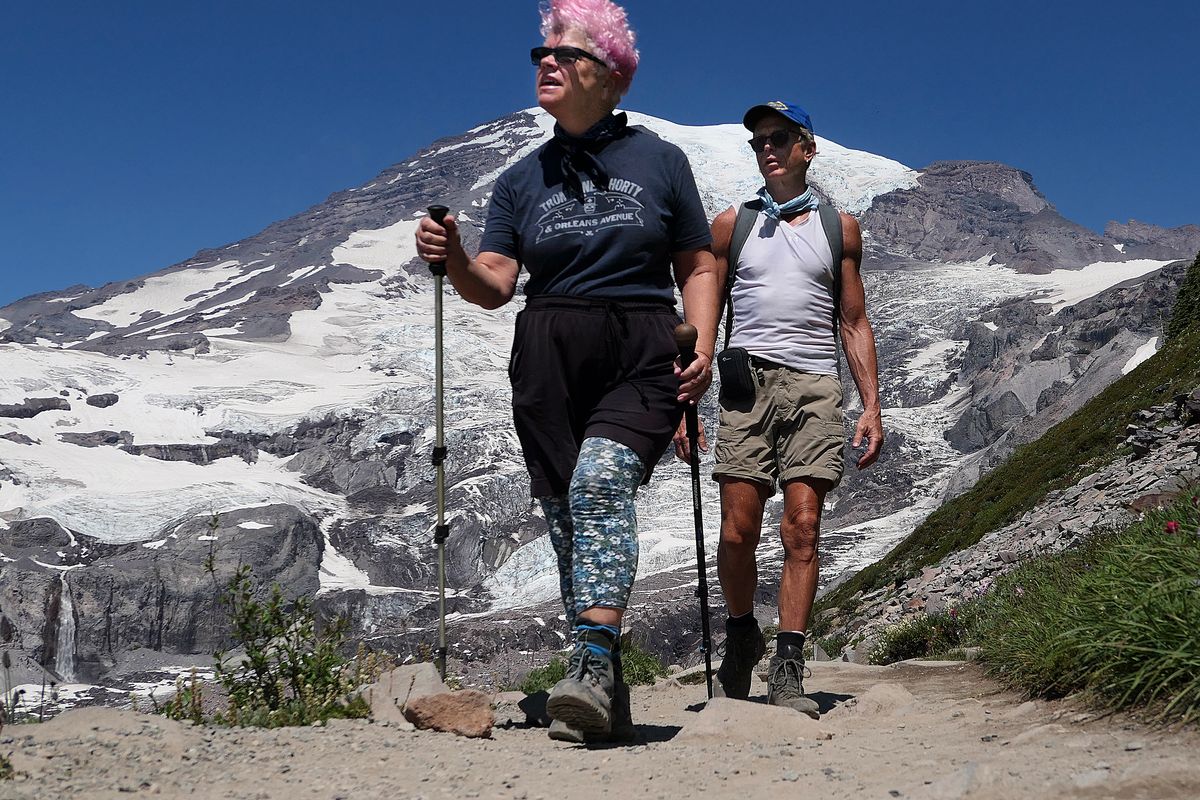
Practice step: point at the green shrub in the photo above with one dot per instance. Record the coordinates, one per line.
(543, 679)
(833, 645)
(1186, 314)
(290, 673)
(928, 635)
(640, 667)
(6, 768)
(1115, 619)
(187, 703)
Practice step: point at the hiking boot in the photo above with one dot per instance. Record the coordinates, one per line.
(785, 682)
(744, 647)
(583, 700)
(622, 723)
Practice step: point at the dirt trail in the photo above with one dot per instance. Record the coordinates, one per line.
(912, 731)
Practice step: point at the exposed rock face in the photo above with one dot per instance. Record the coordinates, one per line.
(1142, 240)
(967, 210)
(34, 406)
(97, 438)
(195, 453)
(1165, 461)
(158, 595)
(1037, 367)
(103, 400)
(19, 438)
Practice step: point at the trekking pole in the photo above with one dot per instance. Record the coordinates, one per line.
(685, 340)
(442, 531)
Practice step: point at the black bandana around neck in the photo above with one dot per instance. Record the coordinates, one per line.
(580, 153)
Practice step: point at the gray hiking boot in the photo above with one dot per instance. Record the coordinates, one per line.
(622, 723)
(744, 647)
(583, 700)
(785, 683)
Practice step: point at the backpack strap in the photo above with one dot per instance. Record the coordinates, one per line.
(741, 232)
(831, 221)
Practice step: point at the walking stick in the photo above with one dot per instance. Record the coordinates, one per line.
(442, 531)
(685, 340)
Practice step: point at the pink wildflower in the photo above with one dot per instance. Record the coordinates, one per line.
(1172, 527)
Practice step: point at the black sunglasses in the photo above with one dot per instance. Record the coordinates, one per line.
(566, 56)
(778, 139)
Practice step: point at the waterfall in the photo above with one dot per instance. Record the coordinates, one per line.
(64, 643)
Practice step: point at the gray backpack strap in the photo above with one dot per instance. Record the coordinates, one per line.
(742, 226)
(831, 221)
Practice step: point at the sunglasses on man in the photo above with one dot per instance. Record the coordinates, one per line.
(564, 56)
(778, 139)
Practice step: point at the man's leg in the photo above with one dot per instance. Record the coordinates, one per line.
(742, 503)
(800, 530)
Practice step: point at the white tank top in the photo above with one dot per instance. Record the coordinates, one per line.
(783, 296)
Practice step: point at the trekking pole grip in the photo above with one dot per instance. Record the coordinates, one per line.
(438, 215)
(685, 340)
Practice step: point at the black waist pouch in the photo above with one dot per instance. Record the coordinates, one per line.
(737, 375)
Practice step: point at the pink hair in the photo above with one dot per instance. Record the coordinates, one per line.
(604, 24)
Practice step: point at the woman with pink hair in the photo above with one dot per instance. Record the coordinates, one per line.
(606, 219)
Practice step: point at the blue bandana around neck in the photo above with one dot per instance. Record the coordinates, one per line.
(805, 202)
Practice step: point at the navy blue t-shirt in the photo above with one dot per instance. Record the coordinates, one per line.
(617, 243)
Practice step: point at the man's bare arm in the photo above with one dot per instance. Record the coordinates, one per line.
(858, 341)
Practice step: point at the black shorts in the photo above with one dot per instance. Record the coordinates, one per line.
(583, 368)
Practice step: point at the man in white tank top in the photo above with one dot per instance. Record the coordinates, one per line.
(790, 433)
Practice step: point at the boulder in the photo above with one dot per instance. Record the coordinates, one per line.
(466, 713)
(103, 400)
(394, 690)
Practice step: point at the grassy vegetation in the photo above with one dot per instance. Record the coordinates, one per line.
(641, 668)
(1115, 619)
(1080, 445)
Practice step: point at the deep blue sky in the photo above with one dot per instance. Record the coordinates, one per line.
(133, 134)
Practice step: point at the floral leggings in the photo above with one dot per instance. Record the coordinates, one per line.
(593, 528)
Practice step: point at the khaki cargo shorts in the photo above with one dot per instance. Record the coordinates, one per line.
(792, 430)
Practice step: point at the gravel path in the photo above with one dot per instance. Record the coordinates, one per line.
(916, 731)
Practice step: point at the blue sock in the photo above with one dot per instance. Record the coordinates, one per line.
(601, 639)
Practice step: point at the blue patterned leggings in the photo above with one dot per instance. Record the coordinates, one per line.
(594, 528)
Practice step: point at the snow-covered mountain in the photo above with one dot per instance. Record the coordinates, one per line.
(270, 402)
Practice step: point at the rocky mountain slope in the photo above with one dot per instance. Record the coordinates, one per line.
(283, 384)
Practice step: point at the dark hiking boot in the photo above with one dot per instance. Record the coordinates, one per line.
(744, 647)
(621, 730)
(583, 700)
(785, 682)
